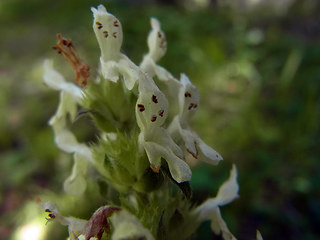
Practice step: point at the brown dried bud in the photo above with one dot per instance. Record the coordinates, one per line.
(98, 223)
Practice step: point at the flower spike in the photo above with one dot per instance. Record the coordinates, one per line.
(108, 31)
(114, 64)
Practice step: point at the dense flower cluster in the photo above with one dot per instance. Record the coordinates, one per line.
(144, 141)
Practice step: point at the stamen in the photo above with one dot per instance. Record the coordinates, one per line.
(99, 25)
(154, 99)
(106, 34)
(114, 34)
(141, 107)
(153, 118)
(159, 35)
(161, 113)
(192, 105)
(187, 94)
(116, 23)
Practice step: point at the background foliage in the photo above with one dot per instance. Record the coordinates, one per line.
(258, 72)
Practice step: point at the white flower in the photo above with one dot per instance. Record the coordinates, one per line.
(114, 64)
(188, 98)
(109, 34)
(127, 226)
(75, 225)
(151, 112)
(259, 236)
(157, 48)
(70, 97)
(209, 210)
(179, 128)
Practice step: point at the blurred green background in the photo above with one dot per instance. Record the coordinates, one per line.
(257, 67)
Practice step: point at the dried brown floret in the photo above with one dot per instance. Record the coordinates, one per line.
(98, 223)
(67, 50)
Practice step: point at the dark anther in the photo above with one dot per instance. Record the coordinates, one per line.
(52, 216)
(141, 107)
(161, 112)
(99, 25)
(48, 210)
(105, 34)
(114, 34)
(190, 106)
(154, 99)
(187, 94)
(153, 118)
(115, 23)
(159, 35)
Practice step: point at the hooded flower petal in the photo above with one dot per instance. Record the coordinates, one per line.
(108, 31)
(151, 112)
(157, 48)
(179, 127)
(70, 97)
(206, 153)
(152, 106)
(179, 169)
(259, 236)
(209, 210)
(193, 144)
(76, 183)
(219, 226)
(56, 81)
(189, 99)
(156, 41)
(226, 194)
(109, 34)
(126, 227)
(75, 225)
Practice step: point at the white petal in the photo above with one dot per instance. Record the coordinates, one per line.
(229, 189)
(67, 105)
(127, 226)
(259, 236)
(56, 81)
(187, 136)
(227, 192)
(155, 24)
(207, 154)
(108, 32)
(109, 70)
(179, 169)
(76, 184)
(162, 73)
(154, 152)
(113, 70)
(75, 227)
(152, 106)
(156, 41)
(189, 99)
(219, 226)
(130, 72)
